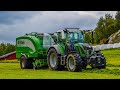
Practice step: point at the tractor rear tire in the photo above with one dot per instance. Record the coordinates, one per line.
(25, 63)
(53, 60)
(74, 63)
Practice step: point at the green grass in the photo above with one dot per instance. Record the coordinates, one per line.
(10, 69)
(13, 71)
(10, 61)
(112, 56)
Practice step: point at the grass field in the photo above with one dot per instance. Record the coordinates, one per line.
(12, 70)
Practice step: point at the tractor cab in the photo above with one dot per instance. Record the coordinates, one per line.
(75, 36)
(71, 35)
(68, 37)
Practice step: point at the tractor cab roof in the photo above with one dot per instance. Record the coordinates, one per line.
(70, 30)
(73, 30)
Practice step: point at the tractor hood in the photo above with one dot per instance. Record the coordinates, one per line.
(85, 49)
(86, 46)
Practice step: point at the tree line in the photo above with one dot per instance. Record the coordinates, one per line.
(106, 26)
(6, 48)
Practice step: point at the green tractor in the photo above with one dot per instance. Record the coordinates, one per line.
(72, 53)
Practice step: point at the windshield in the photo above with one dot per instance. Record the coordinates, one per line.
(76, 37)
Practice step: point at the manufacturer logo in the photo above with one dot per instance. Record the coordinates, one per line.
(21, 42)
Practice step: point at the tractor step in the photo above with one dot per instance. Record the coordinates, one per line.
(63, 60)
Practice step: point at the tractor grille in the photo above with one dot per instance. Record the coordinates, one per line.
(88, 49)
(82, 50)
(78, 49)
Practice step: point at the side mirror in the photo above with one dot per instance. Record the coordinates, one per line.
(62, 33)
(92, 34)
(82, 33)
(90, 41)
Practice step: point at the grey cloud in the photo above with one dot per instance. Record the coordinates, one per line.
(9, 17)
(48, 21)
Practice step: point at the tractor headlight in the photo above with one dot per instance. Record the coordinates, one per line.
(87, 47)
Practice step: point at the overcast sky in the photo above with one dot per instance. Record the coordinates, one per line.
(17, 23)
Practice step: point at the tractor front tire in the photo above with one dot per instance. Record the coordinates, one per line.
(74, 63)
(53, 60)
(84, 64)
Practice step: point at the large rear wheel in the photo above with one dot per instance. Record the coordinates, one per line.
(54, 60)
(74, 63)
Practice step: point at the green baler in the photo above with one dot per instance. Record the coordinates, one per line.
(32, 48)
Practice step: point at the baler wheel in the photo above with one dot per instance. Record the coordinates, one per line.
(25, 63)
